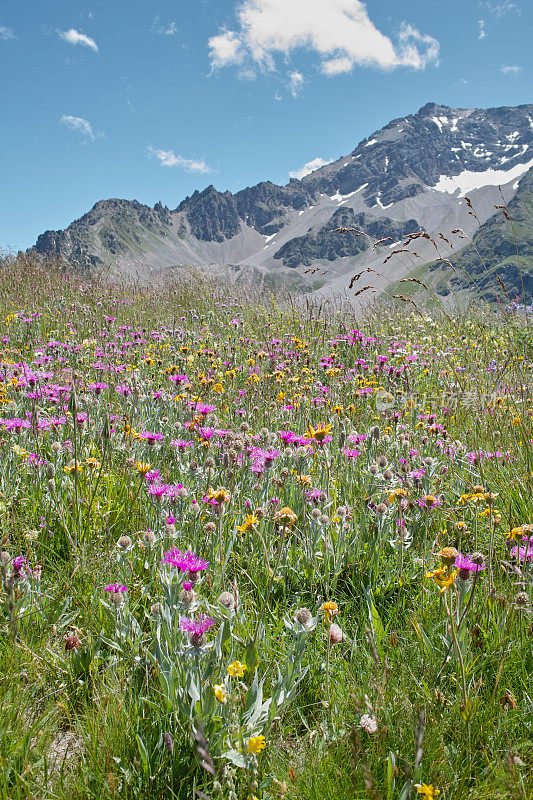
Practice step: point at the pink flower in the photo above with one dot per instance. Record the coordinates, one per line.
(116, 588)
(335, 633)
(185, 562)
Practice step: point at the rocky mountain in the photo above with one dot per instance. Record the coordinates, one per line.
(420, 172)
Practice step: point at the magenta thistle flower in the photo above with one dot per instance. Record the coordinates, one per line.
(522, 554)
(464, 562)
(185, 562)
(196, 628)
(116, 588)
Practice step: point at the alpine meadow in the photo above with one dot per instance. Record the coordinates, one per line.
(266, 430)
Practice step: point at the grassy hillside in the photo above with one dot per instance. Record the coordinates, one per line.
(252, 551)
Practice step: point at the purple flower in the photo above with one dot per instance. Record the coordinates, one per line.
(150, 437)
(18, 564)
(185, 562)
(522, 554)
(196, 627)
(116, 588)
(465, 563)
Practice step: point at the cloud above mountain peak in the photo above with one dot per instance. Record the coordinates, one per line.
(339, 32)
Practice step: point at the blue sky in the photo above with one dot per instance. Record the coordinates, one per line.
(151, 100)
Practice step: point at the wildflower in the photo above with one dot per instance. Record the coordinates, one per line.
(335, 633)
(285, 516)
(143, 467)
(256, 744)
(519, 531)
(442, 579)
(330, 609)
(196, 629)
(117, 592)
(448, 555)
(476, 496)
(368, 723)
(248, 523)
(220, 693)
(429, 792)
(319, 434)
(430, 501)
(236, 669)
(185, 562)
(76, 468)
(72, 641)
(115, 588)
(397, 493)
(227, 600)
(304, 617)
(217, 497)
(124, 542)
(522, 554)
(469, 563)
(522, 599)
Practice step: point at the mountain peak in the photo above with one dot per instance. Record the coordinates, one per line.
(430, 109)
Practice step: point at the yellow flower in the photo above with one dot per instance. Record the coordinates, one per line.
(330, 609)
(218, 388)
(248, 523)
(256, 744)
(92, 463)
(220, 693)
(285, 516)
(236, 669)
(143, 467)
(522, 530)
(441, 578)
(399, 492)
(429, 792)
(448, 555)
(220, 495)
(303, 479)
(72, 468)
(319, 433)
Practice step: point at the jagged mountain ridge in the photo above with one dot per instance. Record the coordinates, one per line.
(413, 171)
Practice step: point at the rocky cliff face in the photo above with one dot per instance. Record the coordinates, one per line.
(329, 244)
(413, 173)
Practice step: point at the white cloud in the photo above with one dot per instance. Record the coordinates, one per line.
(225, 49)
(79, 124)
(6, 33)
(500, 9)
(164, 30)
(510, 69)
(167, 158)
(340, 32)
(309, 167)
(482, 32)
(296, 81)
(75, 37)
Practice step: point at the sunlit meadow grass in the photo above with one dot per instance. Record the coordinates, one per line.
(252, 550)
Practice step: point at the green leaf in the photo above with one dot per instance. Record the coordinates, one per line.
(251, 655)
(143, 753)
(235, 757)
(391, 768)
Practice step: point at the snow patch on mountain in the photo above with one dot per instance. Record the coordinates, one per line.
(468, 180)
